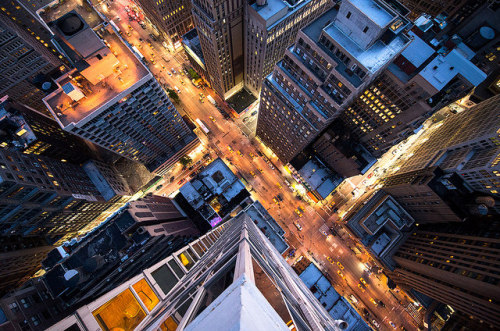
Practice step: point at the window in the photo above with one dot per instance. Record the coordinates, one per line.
(26, 302)
(146, 294)
(365, 30)
(24, 325)
(348, 14)
(121, 312)
(14, 307)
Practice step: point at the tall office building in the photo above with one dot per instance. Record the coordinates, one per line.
(220, 29)
(45, 197)
(172, 18)
(333, 60)
(271, 27)
(242, 40)
(230, 278)
(111, 98)
(418, 82)
(467, 144)
(31, 132)
(456, 264)
(20, 258)
(26, 58)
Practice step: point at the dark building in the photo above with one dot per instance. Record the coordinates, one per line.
(333, 60)
(27, 57)
(454, 11)
(456, 264)
(41, 196)
(28, 308)
(20, 258)
(172, 18)
(118, 250)
(31, 132)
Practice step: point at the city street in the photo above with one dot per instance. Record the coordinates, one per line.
(242, 154)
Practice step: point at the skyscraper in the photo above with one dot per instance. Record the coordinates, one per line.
(31, 132)
(331, 63)
(20, 258)
(271, 27)
(49, 198)
(231, 277)
(26, 59)
(456, 264)
(172, 18)
(241, 41)
(112, 99)
(466, 144)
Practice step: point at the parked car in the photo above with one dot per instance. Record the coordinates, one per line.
(298, 226)
(159, 187)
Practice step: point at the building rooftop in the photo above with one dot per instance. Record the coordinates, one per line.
(319, 178)
(214, 192)
(373, 58)
(374, 12)
(418, 51)
(440, 71)
(77, 97)
(55, 10)
(337, 306)
(268, 226)
(275, 11)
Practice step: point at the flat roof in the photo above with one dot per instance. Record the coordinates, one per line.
(89, 15)
(271, 8)
(440, 71)
(129, 71)
(373, 11)
(372, 58)
(418, 51)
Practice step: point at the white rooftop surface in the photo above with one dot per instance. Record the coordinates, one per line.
(240, 307)
(374, 12)
(212, 168)
(191, 195)
(417, 51)
(448, 67)
(373, 58)
(271, 8)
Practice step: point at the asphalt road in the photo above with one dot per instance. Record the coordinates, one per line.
(228, 140)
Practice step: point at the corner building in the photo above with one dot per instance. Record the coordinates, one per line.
(332, 62)
(112, 99)
(230, 278)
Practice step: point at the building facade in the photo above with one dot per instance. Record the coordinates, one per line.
(325, 70)
(27, 58)
(20, 258)
(172, 18)
(45, 197)
(456, 264)
(31, 132)
(231, 277)
(113, 100)
(271, 27)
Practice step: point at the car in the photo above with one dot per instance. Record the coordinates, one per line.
(340, 274)
(279, 186)
(373, 301)
(181, 181)
(375, 323)
(252, 155)
(261, 170)
(202, 101)
(239, 153)
(298, 226)
(302, 208)
(253, 174)
(324, 233)
(361, 287)
(143, 25)
(370, 175)
(280, 198)
(392, 324)
(275, 201)
(172, 179)
(127, 9)
(381, 303)
(330, 260)
(365, 312)
(169, 73)
(254, 113)
(230, 148)
(159, 187)
(363, 281)
(182, 82)
(260, 153)
(298, 212)
(212, 118)
(152, 36)
(340, 266)
(153, 61)
(128, 33)
(173, 71)
(202, 95)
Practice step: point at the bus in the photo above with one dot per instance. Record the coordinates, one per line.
(136, 50)
(202, 126)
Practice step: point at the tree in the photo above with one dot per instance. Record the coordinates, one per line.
(185, 160)
(173, 95)
(193, 74)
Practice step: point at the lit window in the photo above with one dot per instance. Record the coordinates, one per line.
(146, 294)
(123, 312)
